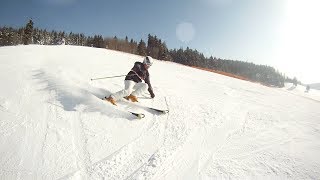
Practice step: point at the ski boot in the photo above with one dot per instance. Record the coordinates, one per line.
(132, 98)
(111, 100)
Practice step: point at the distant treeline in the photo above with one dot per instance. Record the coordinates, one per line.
(154, 47)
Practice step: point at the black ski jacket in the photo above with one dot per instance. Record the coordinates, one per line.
(138, 74)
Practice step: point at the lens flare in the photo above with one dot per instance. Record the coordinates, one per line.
(185, 32)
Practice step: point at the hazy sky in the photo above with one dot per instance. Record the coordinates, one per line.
(280, 33)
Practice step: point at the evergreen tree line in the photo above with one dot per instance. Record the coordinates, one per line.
(258, 73)
(28, 35)
(154, 47)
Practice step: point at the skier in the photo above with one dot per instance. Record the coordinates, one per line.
(133, 85)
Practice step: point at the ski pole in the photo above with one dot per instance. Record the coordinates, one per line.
(110, 77)
(107, 77)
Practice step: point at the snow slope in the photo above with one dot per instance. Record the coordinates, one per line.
(53, 126)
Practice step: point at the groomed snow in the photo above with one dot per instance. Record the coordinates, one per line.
(53, 125)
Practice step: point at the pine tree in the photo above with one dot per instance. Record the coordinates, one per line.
(142, 49)
(36, 36)
(55, 38)
(5, 39)
(27, 38)
(164, 53)
(295, 81)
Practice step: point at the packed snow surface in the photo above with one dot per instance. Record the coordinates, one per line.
(54, 126)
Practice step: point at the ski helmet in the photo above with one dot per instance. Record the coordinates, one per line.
(148, 60)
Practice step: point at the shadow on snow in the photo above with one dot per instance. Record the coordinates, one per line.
(73, 97)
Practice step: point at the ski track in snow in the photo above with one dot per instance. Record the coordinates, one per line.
(53, 125)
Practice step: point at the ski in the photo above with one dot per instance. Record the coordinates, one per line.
(138, 115)
(160, 111)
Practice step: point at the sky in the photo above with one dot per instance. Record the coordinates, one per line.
(280, 33)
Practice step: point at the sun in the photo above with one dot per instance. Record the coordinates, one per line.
(300, 38)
